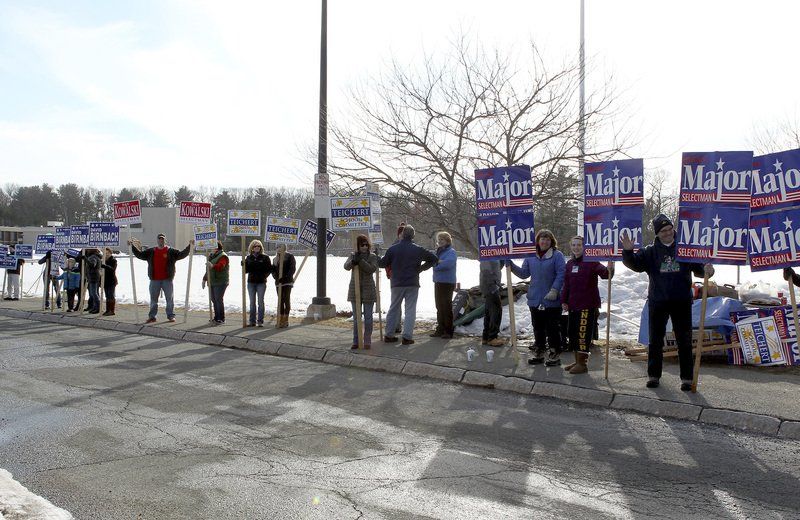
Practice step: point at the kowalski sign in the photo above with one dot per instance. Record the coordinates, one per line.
(191, 212)
(128, 212)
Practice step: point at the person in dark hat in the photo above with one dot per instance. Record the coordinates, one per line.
(161, 270)
(669, 295)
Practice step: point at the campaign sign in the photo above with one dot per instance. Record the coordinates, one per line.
(191, 212)
(282, 230)
(74, 253)
(376, 231)
(103, 234)
(24, 251)
(716, 177)
(614, 183)
(713, 233)
(505, 235)
(308, 236)
(776, 181)
(45, 243)
(8, 261)
(773, 241)
(372, 191)
(501, 189)
(62, 238)
(602, 228)
(205, 237)
(784, 322)
(244, 222)
(127, 212)
(760, 342)
(4, 249)
(350, 213)
(79, 236)
(57, 260)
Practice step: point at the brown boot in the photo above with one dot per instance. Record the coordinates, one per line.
(111, 306)
(580, 366)
(569, 367)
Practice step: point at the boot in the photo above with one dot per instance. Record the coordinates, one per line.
(580, 365)
(569, 367)
(110, 307)
(553, 358)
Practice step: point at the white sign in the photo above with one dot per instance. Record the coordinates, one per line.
(350, 213)
(205, 237)
(282, 230)
(244, 222)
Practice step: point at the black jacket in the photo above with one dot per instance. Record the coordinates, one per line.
(670, 280)
(258, 268)
(288, 269)
(110, 273)
(173, 255)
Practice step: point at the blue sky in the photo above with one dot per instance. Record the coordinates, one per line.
(199, 92)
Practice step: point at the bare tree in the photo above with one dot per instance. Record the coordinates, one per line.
(660, 196)
(420, 133)
(783, 135)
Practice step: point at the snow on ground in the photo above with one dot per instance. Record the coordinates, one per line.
(17, 503)
(629, 290)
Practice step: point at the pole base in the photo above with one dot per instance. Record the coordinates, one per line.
(320, 300)
(320, 312)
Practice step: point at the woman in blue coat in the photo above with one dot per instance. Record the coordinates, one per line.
(444, 283)
(546, 269)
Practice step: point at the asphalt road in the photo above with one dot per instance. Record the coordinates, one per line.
(111, 425)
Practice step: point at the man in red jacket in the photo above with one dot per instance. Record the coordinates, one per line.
(161, 270)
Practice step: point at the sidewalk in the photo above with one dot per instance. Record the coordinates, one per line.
(762, 400)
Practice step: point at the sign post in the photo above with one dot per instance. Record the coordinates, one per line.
(283, 231)
(129, 212)
(191, 212)
(205, 238)
(244, 223)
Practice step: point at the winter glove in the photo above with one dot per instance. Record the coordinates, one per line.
(209, 264)
(203, 284)
(551, 295)
(708, 270)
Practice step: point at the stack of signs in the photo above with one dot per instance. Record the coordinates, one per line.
(349, 213)
(774, 211)
(504, 203)
(282, 230)
(191, 212)
(613, 205)
(376, 230)
(44, 243)
(103, 234)
(756, 331)
(714, 208)
(127, 212)
(244, 222)
(308, 236)
(205, 237)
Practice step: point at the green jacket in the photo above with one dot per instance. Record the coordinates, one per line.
(220, 272)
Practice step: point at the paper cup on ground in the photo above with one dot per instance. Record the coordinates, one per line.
(489, 355)
(470, 354)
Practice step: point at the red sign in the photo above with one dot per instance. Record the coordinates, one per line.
(127, 212)
(195, 212)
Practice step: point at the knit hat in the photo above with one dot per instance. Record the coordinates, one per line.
(660, 221)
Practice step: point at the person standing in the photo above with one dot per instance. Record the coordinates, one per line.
(51, 277)
(110, 281)
(72, 283)
(218, 277)
(406, 260)
(13, 279)
(388, 270)
(444, 283)
(258, 267)
(92, 272)
(367, 265)
(546, 269)
(669, 296)
(490, 281)
(580, 297)
(161, 270)
(284, 281)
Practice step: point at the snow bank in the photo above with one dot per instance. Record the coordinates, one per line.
(17, 503)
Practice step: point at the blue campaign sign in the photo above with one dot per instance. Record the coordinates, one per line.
(614, 183)
(602, 228)
(716, 177)
(24, 251)
(308, 236)
(8, 261)
(73, 252)
(4, 249)
(103, 234)
(776, 181)
(713, 234)
(62, 238)
(505, 235)
(501, 189)
(45, 243)
(774, 240)
(79, 236)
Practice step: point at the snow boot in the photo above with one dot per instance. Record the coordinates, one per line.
(569, 367)
(110, 307)
(581, 364)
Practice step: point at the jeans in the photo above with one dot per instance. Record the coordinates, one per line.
(55, 287)
(156, 286)
(286, 299)
(217, 293)
(94, 296)
(254, 289)
(367, 319)
(492, 315)
(443, 297)
(400, 294)
(111, 292)
(71, 299)
(547, 328)
(681, 314)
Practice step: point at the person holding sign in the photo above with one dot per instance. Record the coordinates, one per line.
(13, 279)
(217, 278)
(546, 270)
(444, 283)
(258, 267)
(93, 265)
(367, 265)
(72, 283)
(51, 277)
(161, 270)
(580, 297)
(110, 281)
(283, 268)
(669, 295)
(490, 281)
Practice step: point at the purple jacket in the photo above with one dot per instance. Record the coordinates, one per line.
(580, 284)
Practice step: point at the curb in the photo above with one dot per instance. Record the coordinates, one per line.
(734, 419)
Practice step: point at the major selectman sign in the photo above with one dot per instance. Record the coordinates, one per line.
(497, 189)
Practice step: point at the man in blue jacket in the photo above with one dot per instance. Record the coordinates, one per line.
(669, 295)
(406, 260)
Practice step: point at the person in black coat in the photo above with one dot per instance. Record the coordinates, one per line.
(669, 295)
(51, 277)
(284, 281)
(258, 267)
(110, 282)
